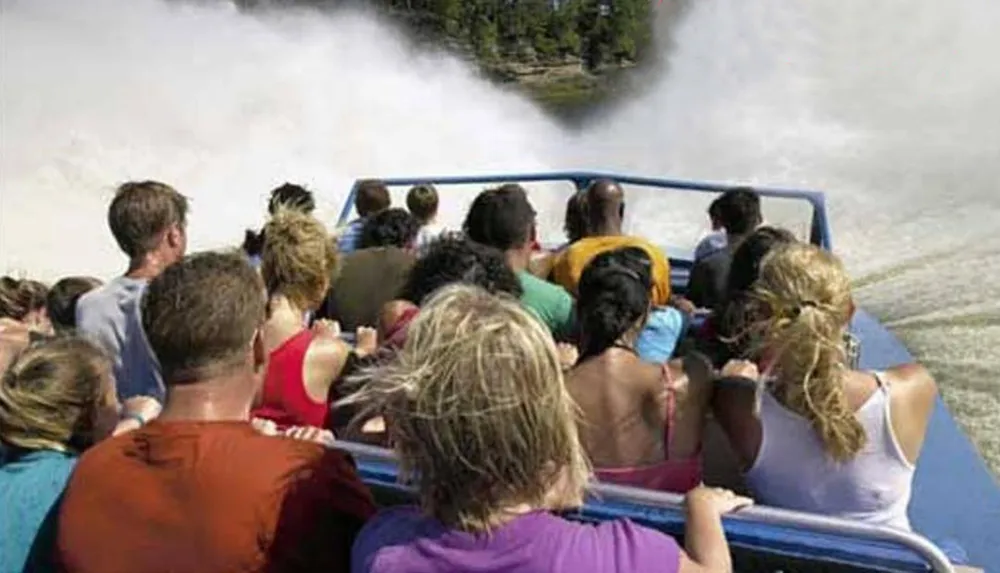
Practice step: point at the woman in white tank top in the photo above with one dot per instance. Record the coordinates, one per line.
(818, 436)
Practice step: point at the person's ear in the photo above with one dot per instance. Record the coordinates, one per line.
(175, 236)
(259, 351)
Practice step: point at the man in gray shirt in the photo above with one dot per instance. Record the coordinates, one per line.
(148, 221)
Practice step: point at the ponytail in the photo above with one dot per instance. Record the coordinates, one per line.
(802, 307)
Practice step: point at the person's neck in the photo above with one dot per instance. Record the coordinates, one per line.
(281, 309)
(220, 399)
(147, 267)
(518, 259)
(734, 239)
(607, 230)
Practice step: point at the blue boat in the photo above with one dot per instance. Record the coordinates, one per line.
(955, 498)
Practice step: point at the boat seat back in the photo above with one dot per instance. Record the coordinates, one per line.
(761, 539)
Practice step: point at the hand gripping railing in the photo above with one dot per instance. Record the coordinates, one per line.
(754, 514)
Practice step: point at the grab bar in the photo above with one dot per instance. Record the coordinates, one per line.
(757, 514)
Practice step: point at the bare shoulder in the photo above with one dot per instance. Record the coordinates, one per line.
(912, 378)
(326, 353)
(913, 389)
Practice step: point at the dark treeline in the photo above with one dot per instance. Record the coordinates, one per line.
(597, 33)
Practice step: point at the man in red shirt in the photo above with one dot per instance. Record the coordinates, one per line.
(198, 488)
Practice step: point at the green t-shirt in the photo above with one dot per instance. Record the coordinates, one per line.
(547, 301)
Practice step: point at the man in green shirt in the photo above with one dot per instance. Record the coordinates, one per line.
(504, 219)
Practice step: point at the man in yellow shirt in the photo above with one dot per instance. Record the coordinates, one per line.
(604, 209)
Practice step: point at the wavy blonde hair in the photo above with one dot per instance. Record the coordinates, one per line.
(802, 304)
(477, 408)
(298, 258)
(51, 394)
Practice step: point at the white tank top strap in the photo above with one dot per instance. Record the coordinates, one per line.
(881, 379)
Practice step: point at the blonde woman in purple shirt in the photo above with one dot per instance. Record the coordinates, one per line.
(485, 429)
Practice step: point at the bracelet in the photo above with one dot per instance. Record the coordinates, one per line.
(135, 416)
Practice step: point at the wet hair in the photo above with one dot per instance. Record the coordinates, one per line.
(200, 315)
(479, 412)
(453, 259)
(739, 210)
(299, 258)
(62, 298)
(291, 196)
(746, 259)
(743, 272)
(20, 297)
(51, 394)
(141, 212)
(803, 300)
(422, 201)
(372, 196)
(389, 228)
(575, 221)
(614, 298)
(501, 218)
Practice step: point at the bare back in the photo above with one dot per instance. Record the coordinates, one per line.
(625, 404)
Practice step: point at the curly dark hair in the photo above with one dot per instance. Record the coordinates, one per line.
(389, 228)
(455, 259)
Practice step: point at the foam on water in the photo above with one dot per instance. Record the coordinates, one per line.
(890, 106)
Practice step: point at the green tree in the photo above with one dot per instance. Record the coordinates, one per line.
(622, 29)
(449, 16)
(563, 25)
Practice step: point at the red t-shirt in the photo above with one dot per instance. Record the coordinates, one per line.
(210, 497)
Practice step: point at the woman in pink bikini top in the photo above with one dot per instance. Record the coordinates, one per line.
(642, 422)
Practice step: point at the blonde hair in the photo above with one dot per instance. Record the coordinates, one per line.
(51, 393)
(477, 408)
(802, 305)
(298, 259)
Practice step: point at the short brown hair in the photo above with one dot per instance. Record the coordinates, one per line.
(50, 394)
(299, 258)
(372, 196)
(19, 297)
(140, 213)
(422, 201)
(200, 315)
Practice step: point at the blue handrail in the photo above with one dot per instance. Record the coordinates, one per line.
(819, 233)
(373, 456)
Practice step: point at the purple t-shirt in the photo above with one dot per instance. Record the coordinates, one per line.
(402, 540)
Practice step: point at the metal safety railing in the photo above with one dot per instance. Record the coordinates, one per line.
(820, 524)
(819, 233)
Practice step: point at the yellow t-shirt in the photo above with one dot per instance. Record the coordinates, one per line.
(570, 263)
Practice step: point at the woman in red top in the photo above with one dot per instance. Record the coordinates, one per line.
(297, 262)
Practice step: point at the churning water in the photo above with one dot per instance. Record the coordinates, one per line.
(892, 107)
